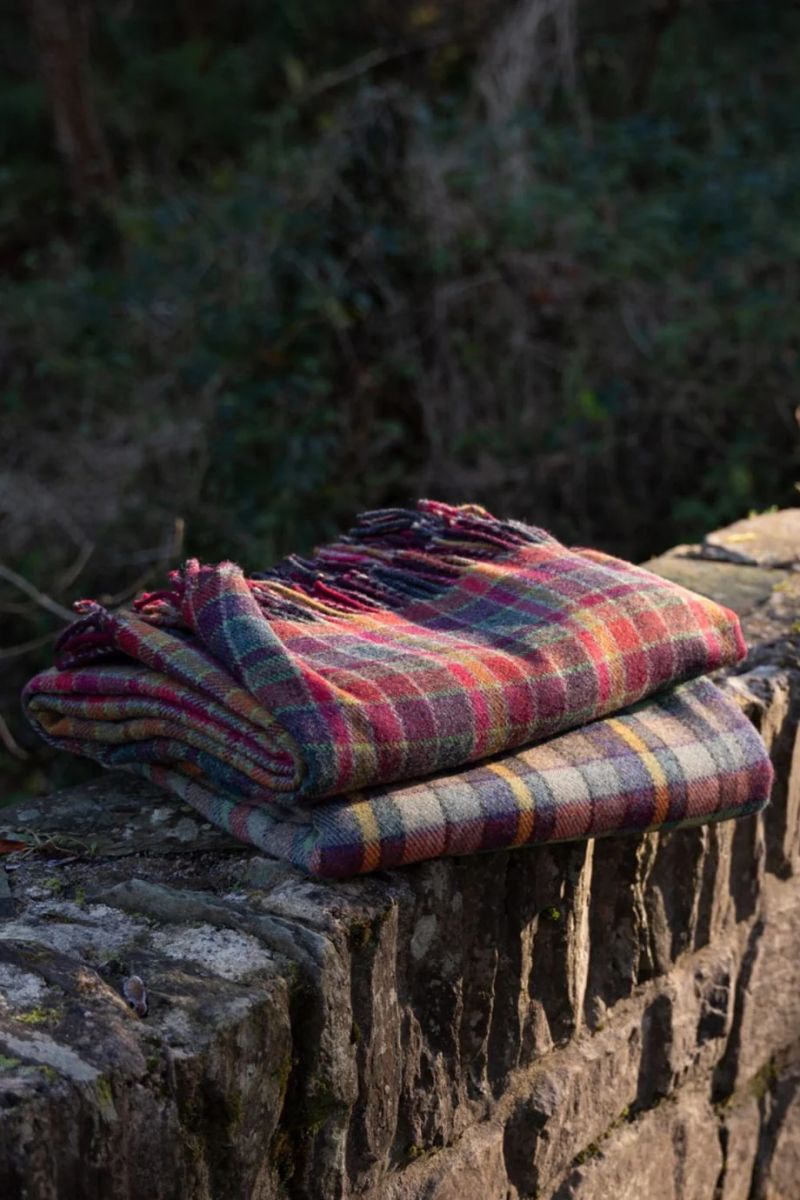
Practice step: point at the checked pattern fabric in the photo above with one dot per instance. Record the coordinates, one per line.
(422, 641)
(687, 757)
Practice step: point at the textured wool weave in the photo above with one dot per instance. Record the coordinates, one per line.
(687, 756)
(423, 640)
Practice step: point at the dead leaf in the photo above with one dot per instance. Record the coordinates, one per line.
(7, 846)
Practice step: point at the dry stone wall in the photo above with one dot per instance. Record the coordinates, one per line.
(618, 1018)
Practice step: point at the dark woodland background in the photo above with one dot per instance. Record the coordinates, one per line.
(266, 264)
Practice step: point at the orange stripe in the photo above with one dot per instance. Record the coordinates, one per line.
(524, 799)
(371, 834)
(651, 763)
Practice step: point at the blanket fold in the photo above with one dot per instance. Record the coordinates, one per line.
(686, 757)
(422, 641)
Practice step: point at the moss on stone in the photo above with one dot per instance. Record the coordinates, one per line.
(318, 1107)
(105, 1097)
(416, 1153)
(587, 1154)
(594, 1148)
(36, 1016)
(763, 1080)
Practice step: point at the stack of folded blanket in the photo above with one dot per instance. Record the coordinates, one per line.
(436, 682)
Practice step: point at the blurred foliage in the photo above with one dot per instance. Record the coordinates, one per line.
(333, 281)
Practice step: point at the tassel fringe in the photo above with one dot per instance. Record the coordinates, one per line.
(391, 557)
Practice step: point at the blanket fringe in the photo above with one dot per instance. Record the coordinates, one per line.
(389, 559)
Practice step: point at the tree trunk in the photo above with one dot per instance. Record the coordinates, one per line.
(61, 34)
(659, 19)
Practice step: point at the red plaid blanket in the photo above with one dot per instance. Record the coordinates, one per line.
(422, 640)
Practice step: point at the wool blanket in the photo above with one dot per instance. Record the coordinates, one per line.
(686, 757)
(423, 640)
(419, 643)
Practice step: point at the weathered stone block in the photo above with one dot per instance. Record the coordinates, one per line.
(666, 1154)
(740, 1134)
(769, 540)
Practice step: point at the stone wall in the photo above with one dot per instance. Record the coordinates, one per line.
(613, 1019)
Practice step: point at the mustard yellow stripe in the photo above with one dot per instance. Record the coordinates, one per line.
(524, 799)
(370, 833)
(608, 644)
(652, 764)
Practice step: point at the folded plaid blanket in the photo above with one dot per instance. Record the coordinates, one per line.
(421, 641)
(687, 757)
